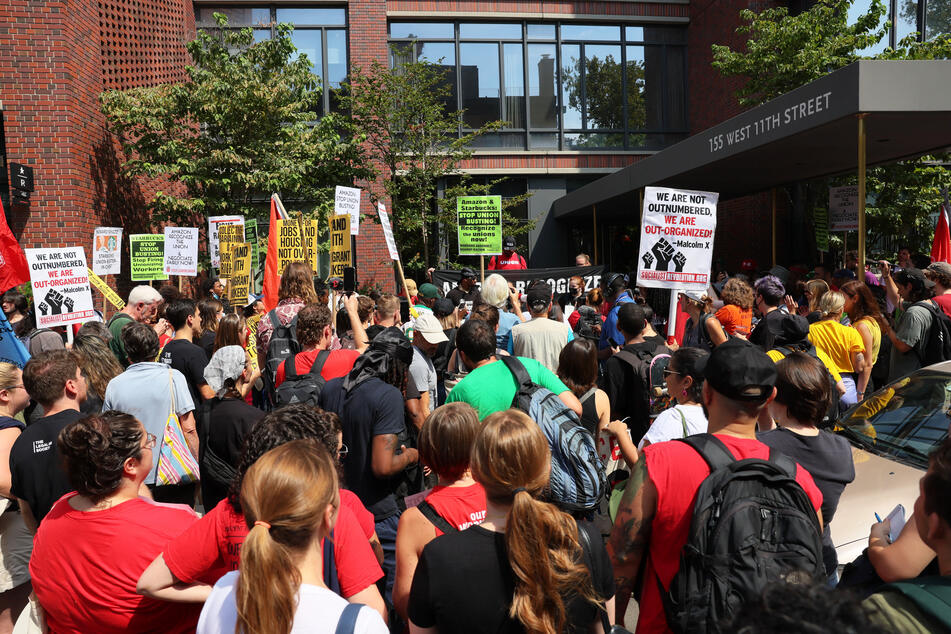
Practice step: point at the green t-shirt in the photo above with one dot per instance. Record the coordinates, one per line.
(491, 388)
(118, 321)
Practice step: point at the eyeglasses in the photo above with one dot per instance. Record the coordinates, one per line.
(12, 387)
(343, 451)
(669, 372)
(150, 440)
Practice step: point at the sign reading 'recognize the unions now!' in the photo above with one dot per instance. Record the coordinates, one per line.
(479, 220)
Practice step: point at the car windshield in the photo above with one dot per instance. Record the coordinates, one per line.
(903, 421)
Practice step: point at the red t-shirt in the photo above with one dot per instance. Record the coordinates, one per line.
(735, 320)
(460, 506)
(213, 543)
(677, 470)
(339, 363)
(364, 517)
(944, 301)
(85, 566)
(512, 262)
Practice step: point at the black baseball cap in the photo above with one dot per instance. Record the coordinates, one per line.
(467, 272)
(508, 243)
(739, 370)
(915, 277)
(443, 307)
(538, 296)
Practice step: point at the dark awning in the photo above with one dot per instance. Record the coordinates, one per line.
(807, 133)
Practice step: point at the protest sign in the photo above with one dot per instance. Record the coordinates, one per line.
(60, 283)
(228, 235)
(844, 208)
(147, 257)
(214, 224)
(557, 278)
(251, 237)
(252, 343)
(181, 251)
(340, 256)
(106, 291)
(106, 254)
(309, 231)
(479, 225)
(240, 282)
(12, 349)
(677, 238)
(387, 231)
(821, 221)
(347, 201)
(290, 245)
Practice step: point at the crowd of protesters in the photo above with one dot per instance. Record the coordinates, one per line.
(365, 463)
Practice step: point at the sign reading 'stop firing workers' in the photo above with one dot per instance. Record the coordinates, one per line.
(60, 283)
(479, 220)
(340, 257)
(677, 238)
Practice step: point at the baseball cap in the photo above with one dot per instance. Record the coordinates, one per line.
(941, 268)
(696, 296)
(538, 296)
(467, 272)
(913, 276)
(844, 274)
(792, 329)
(428, 291)
(508, 243)
(429, 327)
(739, 370)
(443, 307)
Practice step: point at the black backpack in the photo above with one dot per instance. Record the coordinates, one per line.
(301, 388)
(938, 346)
(282, 345)
(753, 524)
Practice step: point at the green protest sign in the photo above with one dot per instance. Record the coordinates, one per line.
(147, 256)
(479, 220)
(251, 237)
(821, 222)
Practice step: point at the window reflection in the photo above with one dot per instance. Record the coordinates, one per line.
(479, 83)
(542, 80)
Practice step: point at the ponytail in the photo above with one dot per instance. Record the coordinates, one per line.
(511, 460)
(286, 496)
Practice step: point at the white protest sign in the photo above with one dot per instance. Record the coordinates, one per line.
(387, 231)
(844, 208)
(181, 251)
(60, 282)
(106, 254)
(213, 223)
(347, 201)
(677, 238)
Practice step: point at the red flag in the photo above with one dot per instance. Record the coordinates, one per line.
(13, 268)
(941, 247)
(272, 277)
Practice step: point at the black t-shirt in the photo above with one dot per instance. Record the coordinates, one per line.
(36, 471)
(373, 408)
(188, 359)
(206, 341)
(628, 391)
(828, 459)
(224, 423)
(464, 584)
(471, 298)
(767, 329)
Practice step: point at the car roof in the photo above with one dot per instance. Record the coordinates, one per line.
(944, 366)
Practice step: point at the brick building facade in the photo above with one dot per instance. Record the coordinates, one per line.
(57, 56)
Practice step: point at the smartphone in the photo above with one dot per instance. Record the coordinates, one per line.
(349, 279)
(896, 522)
(614, 344)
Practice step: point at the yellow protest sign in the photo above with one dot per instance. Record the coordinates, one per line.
(107, 292)
(340, 256)
(228, 235)
(240, 280)
(309, 231)
(290, 246)
(252, 345)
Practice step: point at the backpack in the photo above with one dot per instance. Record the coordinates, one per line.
(753, 524)
(938, 346)
(650, 368)
(301, 388)
(577, 481)
(932, 595)
(283, 344)
(435, 518)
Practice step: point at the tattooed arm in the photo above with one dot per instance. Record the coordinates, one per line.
(389, 457)
(631, 534)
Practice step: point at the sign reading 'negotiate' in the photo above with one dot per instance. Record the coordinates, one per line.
(677, 238)
(480, 225)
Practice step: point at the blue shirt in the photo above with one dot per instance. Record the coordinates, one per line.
(143, 391)
(503, 336)
(609, 330)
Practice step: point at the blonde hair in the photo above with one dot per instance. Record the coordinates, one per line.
(511, 460)
(8, 375)
(818, 288)
(410, 288)
(284, 496)
(297, 281)
(831, 304)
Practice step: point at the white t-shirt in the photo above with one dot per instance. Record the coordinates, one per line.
(424, 374)
(668, 425)
(318, 610)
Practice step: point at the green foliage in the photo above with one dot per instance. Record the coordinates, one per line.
(412, 132)
(243, 125)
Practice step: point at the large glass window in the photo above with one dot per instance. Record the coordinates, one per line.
(571, 86)
(319, 33)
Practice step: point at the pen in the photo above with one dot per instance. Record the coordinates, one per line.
(878, 519)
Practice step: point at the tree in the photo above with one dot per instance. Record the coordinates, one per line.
(604, 93)
(938, 18)
(412, 135)
(783, 52)
(243, 125)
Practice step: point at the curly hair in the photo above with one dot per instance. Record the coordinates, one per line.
(738, 293)
(95, 449)
(291, 422)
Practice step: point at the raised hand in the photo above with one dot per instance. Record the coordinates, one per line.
(663, 251)
(68, 303)
(55, 300)
(679, 260)
(44, 308)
